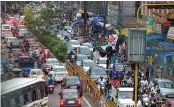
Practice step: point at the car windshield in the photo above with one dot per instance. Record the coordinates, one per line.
(166, 85)
(23, 31)
(11, 39)
(102, 61)
(74, 43)
(16, 41)
(119, 67)
(70, 95)
(36, 72)
(89, 45)
(51, 61)
(98, 72)
(59, 69)
(22, 27)
(88, 64)
(6, 27)
(80, 58)
(125, 95)
(72, 81)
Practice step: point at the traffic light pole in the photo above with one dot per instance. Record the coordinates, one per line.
(138, 11)
(136, 84)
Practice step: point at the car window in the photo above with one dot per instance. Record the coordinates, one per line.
(74, 43)
(98, 72)
(88, 64)
(11, 39)
(125, 94)
(101, 61)
(6, 27)
(89, 45)
(22, 27)
(166, 85)
(70, 95)
(51, 61)
(59, 69)
(119, 67)
(23, 31)
(72, 81)
(80, 58)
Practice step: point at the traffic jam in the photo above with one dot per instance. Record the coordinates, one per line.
(38, 78)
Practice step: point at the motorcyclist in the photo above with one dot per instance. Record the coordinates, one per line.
(144, 81)
(116, 82)
(30, 52)
(152, 97)
(50, 79)
(101, 82)
(158, 95)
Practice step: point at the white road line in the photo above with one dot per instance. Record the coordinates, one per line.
(86, 101)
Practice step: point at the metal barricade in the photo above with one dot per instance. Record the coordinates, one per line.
(110, 104)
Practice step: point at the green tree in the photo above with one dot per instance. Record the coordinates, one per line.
(29, 18)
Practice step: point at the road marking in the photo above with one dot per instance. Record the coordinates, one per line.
(86, 101)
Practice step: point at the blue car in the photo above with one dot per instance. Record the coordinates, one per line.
(26, 63)
(118, 71)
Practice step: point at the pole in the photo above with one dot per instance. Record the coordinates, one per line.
(137, 25)
(119, 17)
(106, 8)
(136, 84)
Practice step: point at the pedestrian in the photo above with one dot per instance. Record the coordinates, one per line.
(46, 53)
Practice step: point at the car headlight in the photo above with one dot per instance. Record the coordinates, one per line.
(146, 104)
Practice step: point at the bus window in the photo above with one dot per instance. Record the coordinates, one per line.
(33, 95)
(12, 103)
(38, 94)
(25, 98)
(21, 100)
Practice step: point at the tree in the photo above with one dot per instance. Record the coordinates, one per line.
(29, 18)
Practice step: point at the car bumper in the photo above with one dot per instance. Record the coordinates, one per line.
(70, 106)
(59, 79)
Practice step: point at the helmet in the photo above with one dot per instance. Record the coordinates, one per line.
(101, 77)
(50, 74)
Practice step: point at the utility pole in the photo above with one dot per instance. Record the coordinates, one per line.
(119, 16)
(106, 10)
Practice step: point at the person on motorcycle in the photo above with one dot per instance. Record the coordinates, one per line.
(101, 82)
(144, 81)
(158, 95)
(152, 97)
(46, 53)
(50, 79)
(30, 52)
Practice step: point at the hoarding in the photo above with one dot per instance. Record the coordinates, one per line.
(136, 45)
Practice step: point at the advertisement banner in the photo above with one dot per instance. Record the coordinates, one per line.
(113, 40)
(170, 34)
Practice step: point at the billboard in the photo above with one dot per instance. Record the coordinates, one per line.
(136, 45)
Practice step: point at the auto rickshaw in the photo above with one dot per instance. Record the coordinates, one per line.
(17, 73)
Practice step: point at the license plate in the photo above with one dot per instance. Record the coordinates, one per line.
(73, 87)
(71, 102)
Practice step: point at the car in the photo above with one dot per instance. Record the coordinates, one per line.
(22, 32)
(80, 58)
(89, 45)
(96, 71)
(101, 62)
(6, 35)
(60, 72)
(31, 41)
(15, 44)
(6, 27)
(21, 27)
(74, 43)
(69, 98)
(84, 50)
(16, 52)
(166, 86)
(86, 64)
(36, 73)
(72, 82)
(52, 61)
(9, 39)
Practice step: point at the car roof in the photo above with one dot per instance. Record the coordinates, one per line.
(74, 40)
(162, 80)
(51, 59)
(35, 70)
(69, 90)
(5, 24)
(71, 77)
(83, 46)
(97, 67)
(12, 37)
(125, 89)
(88, 60)
(102, 58)
(81, 55)
(57, 66)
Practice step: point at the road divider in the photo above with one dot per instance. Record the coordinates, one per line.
(89, 86)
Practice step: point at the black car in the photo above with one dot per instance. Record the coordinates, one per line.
(70, 98)
(72, 82)
(15, 44)
(16, 52)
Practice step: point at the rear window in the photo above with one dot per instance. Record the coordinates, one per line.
(72, 81)
(22, 27)
(80, 58)
(6, 27)
(70, 95)
(59, 69)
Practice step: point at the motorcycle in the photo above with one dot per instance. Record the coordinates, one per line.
(145, 100)
(51, 88)
(102, 89)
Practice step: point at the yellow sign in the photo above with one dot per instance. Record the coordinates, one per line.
(150, 60)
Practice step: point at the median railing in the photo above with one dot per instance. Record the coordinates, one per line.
(89, 86)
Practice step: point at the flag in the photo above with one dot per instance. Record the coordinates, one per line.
(113, 40)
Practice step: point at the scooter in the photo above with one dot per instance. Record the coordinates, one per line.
(51, 88)
(101, 87)
(145, 100)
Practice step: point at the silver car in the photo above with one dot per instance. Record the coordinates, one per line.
(166, 86)
(86, 64)
(80, 58)
(60, 72)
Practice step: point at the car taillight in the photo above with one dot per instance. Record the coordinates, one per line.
(23, 54)
(61, 102)
(11, 54)
(79, 101)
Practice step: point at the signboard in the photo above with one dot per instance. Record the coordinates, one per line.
(136, 45)
(169, 6)
(113, 40)
(170, 34)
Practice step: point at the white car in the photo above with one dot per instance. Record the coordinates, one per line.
(89, 45)
(74, 43)
(125, 95)
(84, 50)
(9, 39)
(60, 72)
(101, 62)
(22, 32)
(80, 58)
(36, 73)
(86, 64)
(52, 61)
(6, 27)
(21, 27)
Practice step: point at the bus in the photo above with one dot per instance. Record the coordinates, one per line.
(26, 63)
(24, 92)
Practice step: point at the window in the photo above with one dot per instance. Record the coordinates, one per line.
(72, 81)
(33, 95)
(70, 95)
(21, 100)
